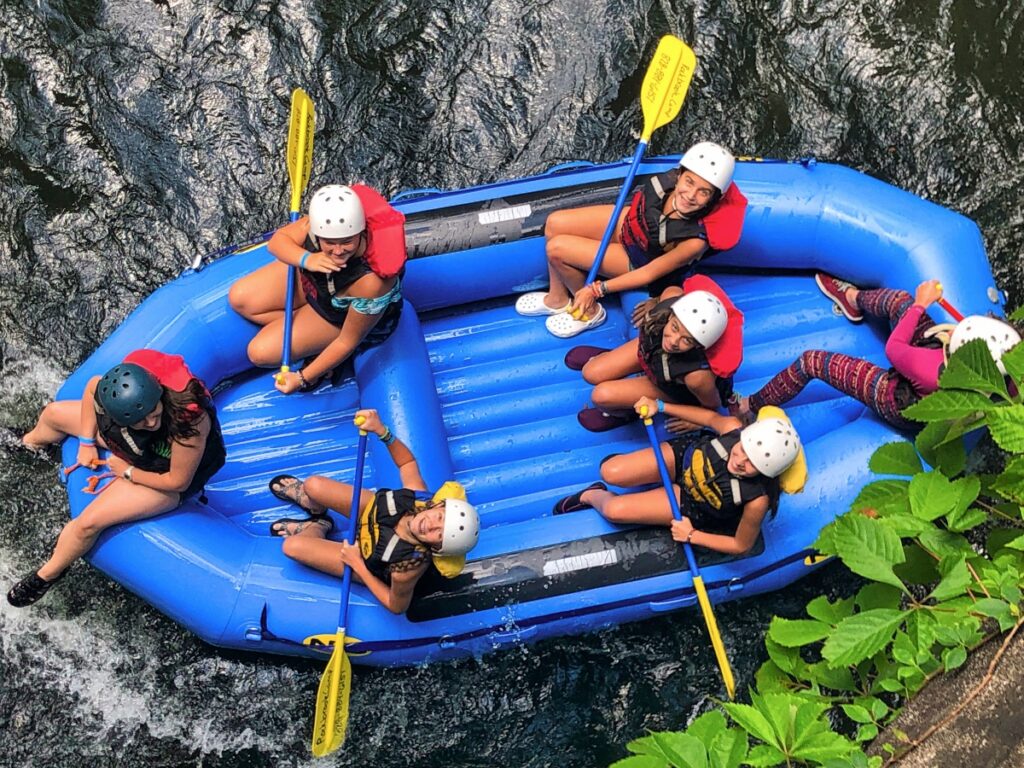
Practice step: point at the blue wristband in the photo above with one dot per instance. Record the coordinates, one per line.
(661, 406)
(86, 440)
(302, 261)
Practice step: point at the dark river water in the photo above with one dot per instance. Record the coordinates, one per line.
(135, 134)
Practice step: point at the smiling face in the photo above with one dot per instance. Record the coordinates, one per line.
(739, 463)
(340, 250)
(691, 193)
(427, 525)
(675, 338)
(151, 422)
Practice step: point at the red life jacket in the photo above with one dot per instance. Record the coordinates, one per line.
(385, 233)
(726, 354)
(646, 233)
(169, 370)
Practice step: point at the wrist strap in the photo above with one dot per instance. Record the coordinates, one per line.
(302, 378)
(388, 437)
(90, 441)
(661, 406)
(302, 261)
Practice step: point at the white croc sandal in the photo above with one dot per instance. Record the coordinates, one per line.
(532, 305)
(565, 327)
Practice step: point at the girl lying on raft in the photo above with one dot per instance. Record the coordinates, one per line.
(160, 426)
(350, 252)
(690, 345)
(675, 219)
(918, 357)
(402, 532)
(727, 478)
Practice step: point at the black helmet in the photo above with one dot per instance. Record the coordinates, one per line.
(128, 393)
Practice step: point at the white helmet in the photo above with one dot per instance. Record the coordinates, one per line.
(461, 527)
(999, 336)
(703, 315)
(335, 213)
(712, 162)
(771, 445)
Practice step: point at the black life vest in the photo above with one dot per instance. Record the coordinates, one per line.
(379, 542)
(711, 496)
(150, 451)
(648, 233)
(667, 370)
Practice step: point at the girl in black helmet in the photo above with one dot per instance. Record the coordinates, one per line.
(161, 428)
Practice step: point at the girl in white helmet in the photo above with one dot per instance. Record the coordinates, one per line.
(674, 220)
(402, 532)
(689, 346)
(726, 478)
(917, 355)
(350, 251)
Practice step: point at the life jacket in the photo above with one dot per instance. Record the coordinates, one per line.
(666, 370)
(712, 497)
(379, 542)
(148, 450)
(726, 354)
(647, 233)
(385, 234)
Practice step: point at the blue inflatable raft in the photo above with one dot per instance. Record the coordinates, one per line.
(481, 395)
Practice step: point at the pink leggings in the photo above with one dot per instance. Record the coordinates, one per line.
(883, 391)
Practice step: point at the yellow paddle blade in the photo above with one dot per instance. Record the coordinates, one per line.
(716, 638)
(300, 144)
(331, 720)
(666, 83)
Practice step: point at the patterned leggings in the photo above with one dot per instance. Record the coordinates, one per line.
(878, 388)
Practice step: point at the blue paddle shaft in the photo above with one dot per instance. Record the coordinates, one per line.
(627, 185)
(672, 500)
(350, 534)
(289, 301)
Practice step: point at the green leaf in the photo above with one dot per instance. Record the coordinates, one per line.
(905, 525)
(879, 709)
(954, 583)
(786, 659)
(919, 568)
(1016, 543)
(944, 543)
(1010, 483)
(831, 613)
(861, 636)
(867, 732)
(932, 495)
(836, 678)
(681, 749)
(967, 489)
(996, 609)
(875, 595)
(948, 404)
(941, 447)
(998, 538)
(640, 761)
(868, 548)
(888, 497)
(708, 726)
(793, 634)
(753, 722)
(954, 657)
(972, 367)
(1013, 360)
(728, 750)
(895, 459)
(857, 713)
(765, 756)
(1006, 425)
(770, 678)
(958, 522)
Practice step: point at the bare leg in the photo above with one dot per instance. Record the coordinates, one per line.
(638, 467)
(614, 364)
(260, 296)
(310, 335)
(56, 421)
(334, 494)
(122, 502)
(573, 236)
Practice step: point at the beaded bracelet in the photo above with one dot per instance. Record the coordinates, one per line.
(302, 261)
(86, 440)
(603, 285)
